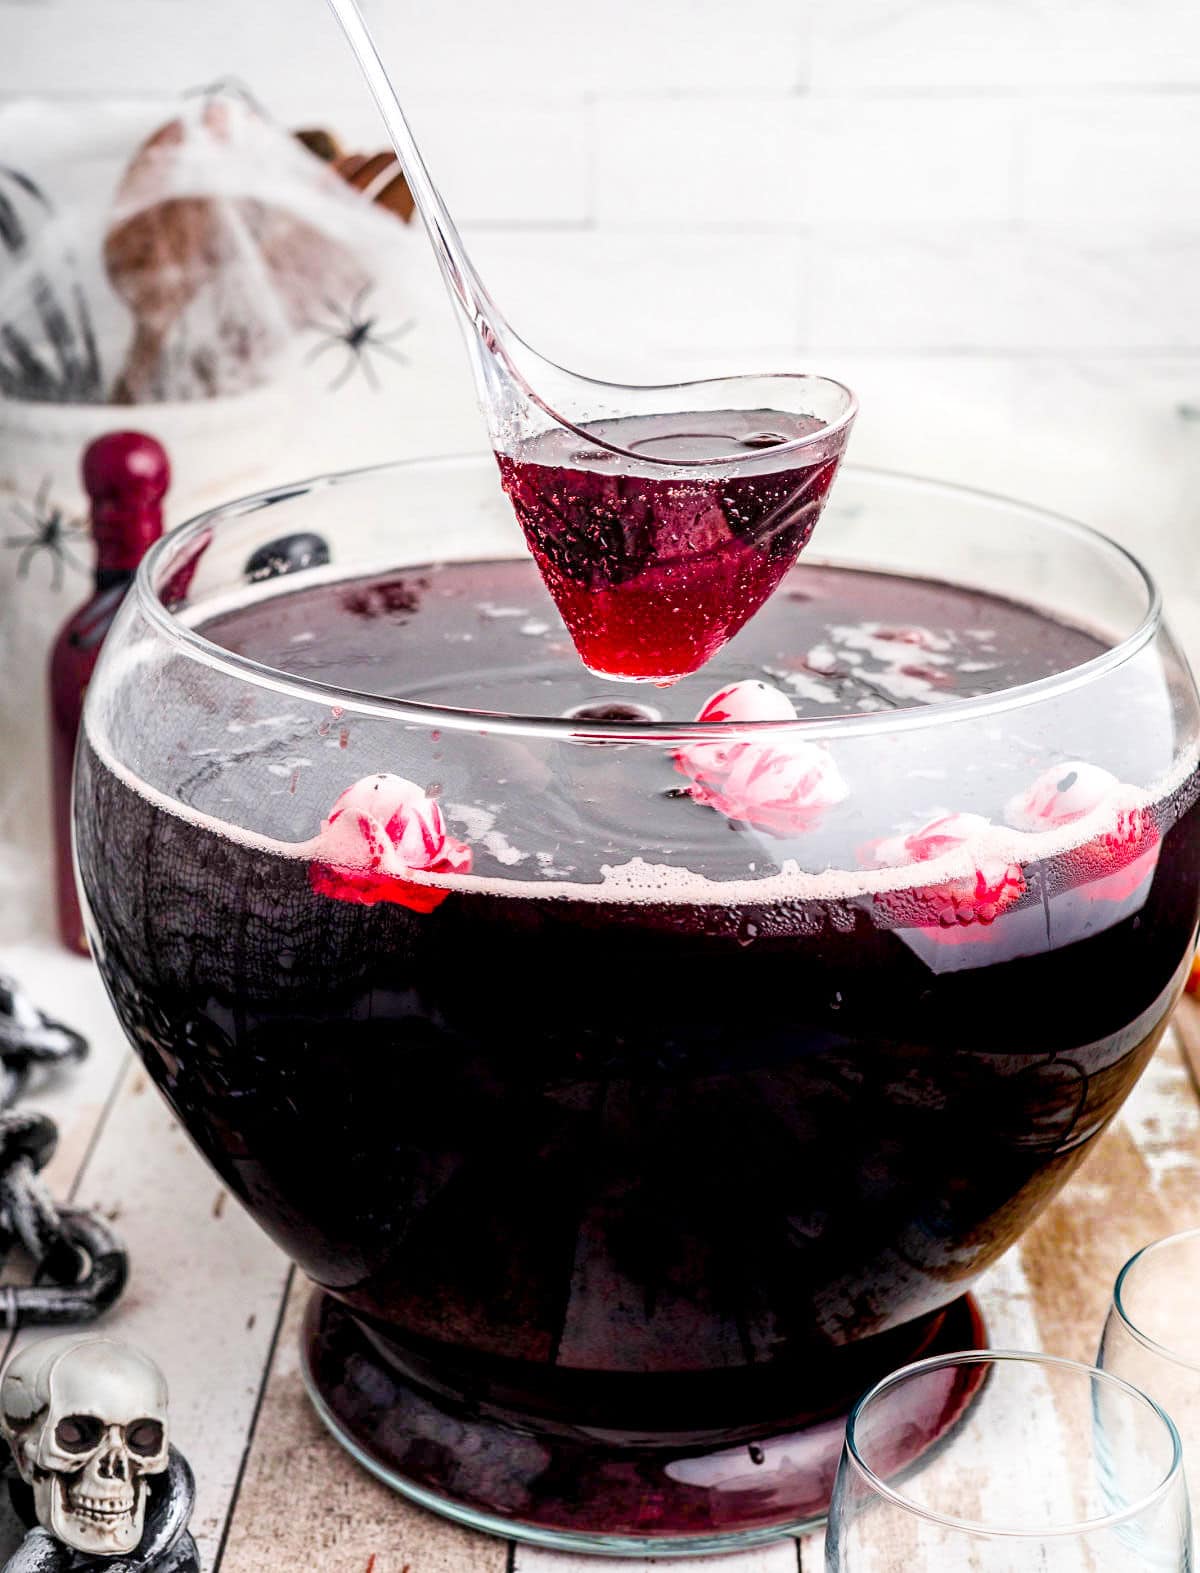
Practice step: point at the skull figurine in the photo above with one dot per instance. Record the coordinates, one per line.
(86, 1419)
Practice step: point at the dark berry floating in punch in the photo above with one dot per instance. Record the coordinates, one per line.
(653, 567)
(289, 554)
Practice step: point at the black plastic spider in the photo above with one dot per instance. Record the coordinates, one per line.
(49, 531)
(356, 334)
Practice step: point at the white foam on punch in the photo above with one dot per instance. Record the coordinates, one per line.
(639, 880)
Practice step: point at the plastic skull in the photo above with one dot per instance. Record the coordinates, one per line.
(86, 1419)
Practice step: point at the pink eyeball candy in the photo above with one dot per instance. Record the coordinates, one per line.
(382, 830)
(750, 700)
(778, 782)
(977, 896)
(1124, 850)
(1061, 794)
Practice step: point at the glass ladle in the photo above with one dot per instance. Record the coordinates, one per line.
(661, 517)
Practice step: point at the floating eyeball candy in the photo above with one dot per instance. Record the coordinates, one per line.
(750, 700)
(1061, 794)
(778, 782)
(382, 830)
(979, 895)
(1114, 861)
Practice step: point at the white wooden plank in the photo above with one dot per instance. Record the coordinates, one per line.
(1007, 1301)
(69, 988)
(305, 1504)
(205, 1291)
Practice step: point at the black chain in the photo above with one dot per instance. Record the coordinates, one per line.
(81, 1266)
(82, 1269)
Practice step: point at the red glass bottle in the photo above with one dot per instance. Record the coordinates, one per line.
(126, 475)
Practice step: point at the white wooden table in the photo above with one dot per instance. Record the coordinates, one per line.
(218, 1306)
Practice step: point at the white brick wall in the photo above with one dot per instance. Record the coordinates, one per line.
(984, 212)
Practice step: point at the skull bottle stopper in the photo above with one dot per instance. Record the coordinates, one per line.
(86, 1419)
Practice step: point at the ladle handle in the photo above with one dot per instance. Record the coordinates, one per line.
(457, 267)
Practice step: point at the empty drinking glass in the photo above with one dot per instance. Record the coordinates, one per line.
(1152, 1335)
(1047, 1465)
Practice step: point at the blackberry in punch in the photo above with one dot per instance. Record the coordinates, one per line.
(637, 1092)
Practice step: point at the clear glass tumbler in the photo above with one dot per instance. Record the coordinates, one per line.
(1152, 1335)
(1049, 1465)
